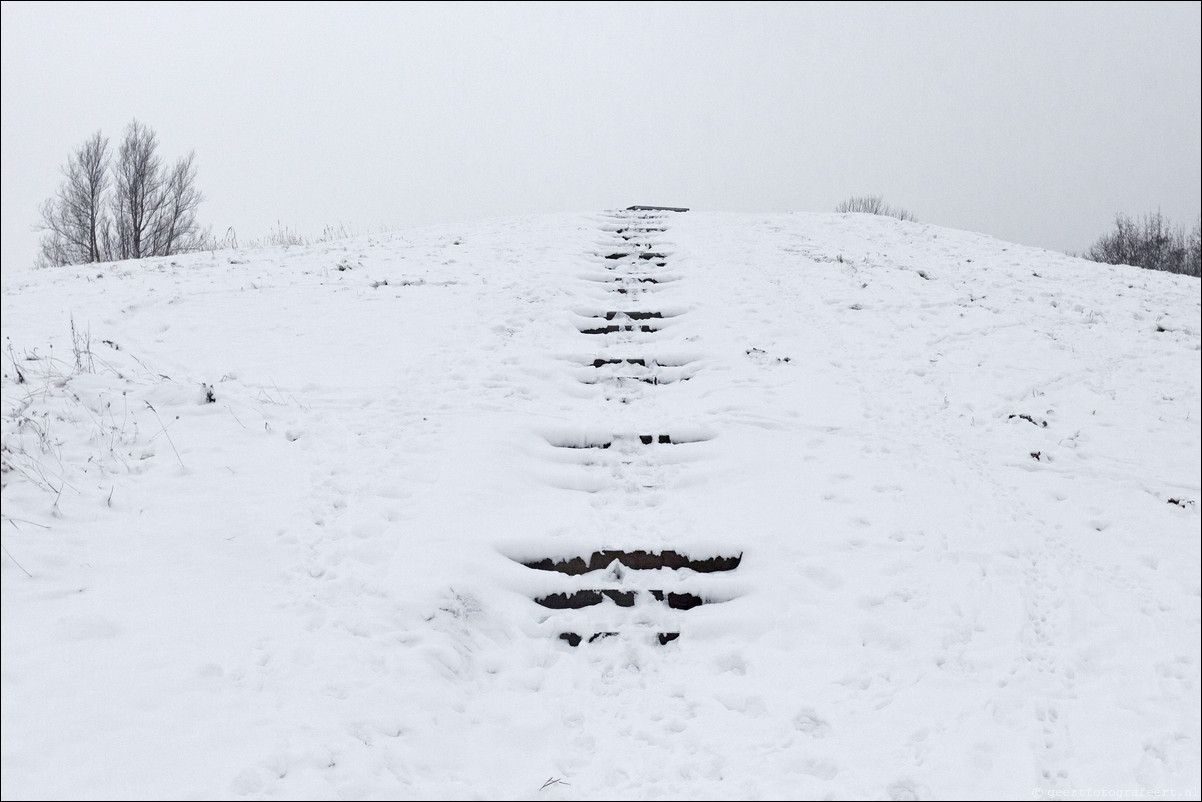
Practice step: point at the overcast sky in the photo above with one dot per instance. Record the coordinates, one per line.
(1032, 122)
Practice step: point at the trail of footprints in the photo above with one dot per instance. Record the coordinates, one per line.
(611, 591)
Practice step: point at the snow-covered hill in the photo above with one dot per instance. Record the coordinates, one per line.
(275, 521)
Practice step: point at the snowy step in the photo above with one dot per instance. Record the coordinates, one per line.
(638, 283)
(636, 252)
(654, 624)
(623, 598)
(628, 266)
(633, 229)
(643, 214)
(636, 279)
(635, 256)
(638, 606)
(652, 377)
(629, 244)
(628, 380)
(636, 315)
(623, 321)
(637, 560)
(631, 278)
(645, 254)
(625, 463)
(646, 371)
(601, 362)
(622, 379)
(615, 328)
(627, 441)
(574, 639)
(631, 291)
(632, 314)
(616, 358)
(626, 315)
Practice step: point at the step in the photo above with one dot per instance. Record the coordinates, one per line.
(633, 250)
(640, 361)
(617, 265)
(623, 598)
(631, 314)
(574, 639)
(621, 229)
(627, 314)
(616, 328)
(637, 560)
(649, 371)
(630, 278)
(623, 321)
(625, 378)
(677, 439)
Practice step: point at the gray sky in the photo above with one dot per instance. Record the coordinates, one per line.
(1035, 123)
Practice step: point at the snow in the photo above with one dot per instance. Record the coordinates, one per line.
(963, 477)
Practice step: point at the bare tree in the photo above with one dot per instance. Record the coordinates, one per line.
(140, 208)
(137, 193)
(873, 204)
(153, 207)
(175, 228)
(74, 222)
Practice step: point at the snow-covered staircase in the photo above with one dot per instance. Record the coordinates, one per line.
(631, 592)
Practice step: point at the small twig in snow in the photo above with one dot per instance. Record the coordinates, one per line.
(14, 521)
(235, 417)
(14, 559)
(164, 428)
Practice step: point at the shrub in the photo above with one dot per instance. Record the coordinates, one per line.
(1152, 242)
(873, 204)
